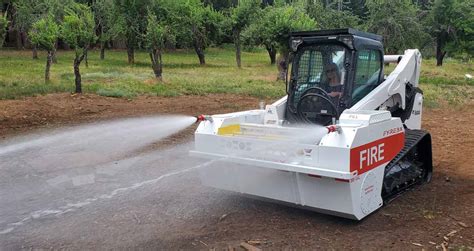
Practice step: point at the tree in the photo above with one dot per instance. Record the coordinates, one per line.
(332, 15)
(358, 8)
(104, 18)
(205, 29)
(44, 34)
(194, 24)
(464, 23)
(28, 12)
(401, 28)
(156, 38)
(220, 4)
(78, 31)
(130, 23)
(3, 28)
(274, 27)
(451, 24)
(239, 18)
(251, 37)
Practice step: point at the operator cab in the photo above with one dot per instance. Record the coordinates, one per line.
(331, 71)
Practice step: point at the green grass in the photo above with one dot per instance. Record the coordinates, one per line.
(113, 77)
(445, 85)
(22, 76)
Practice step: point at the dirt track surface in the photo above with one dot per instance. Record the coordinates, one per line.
(175, 212)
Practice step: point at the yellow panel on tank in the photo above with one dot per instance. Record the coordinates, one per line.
(229, 130)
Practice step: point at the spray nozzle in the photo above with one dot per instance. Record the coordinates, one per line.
(334, 128)
(203, 117)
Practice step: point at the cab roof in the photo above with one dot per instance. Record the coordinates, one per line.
(352, 38)
(335, 32)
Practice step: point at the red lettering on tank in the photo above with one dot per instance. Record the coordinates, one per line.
(373, 154)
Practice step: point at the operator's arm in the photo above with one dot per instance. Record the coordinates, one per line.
(335, 91)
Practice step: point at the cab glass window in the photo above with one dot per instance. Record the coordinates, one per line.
(315, 67)
(368, 68)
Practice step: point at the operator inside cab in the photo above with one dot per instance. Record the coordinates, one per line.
(331, 70)
(317, 84)
(334, 83)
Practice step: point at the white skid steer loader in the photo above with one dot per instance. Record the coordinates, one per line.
(344, 141)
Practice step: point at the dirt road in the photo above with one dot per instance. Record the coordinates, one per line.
(151, 197)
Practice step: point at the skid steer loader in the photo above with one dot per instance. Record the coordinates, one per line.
(345, 139)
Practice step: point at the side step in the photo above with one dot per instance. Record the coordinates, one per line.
(413, 165)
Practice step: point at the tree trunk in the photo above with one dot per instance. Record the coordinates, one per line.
(439, 55)
(199, 45)
(440, 58)
(54, 57)
(440, 42)
(23, 40)
(282, 65)
(157, 63)
(18, 40)
(102, 50)
(12, 14)
(131, 54)
(86, 57)
(271, 53)
(200, 52)
(237, 48)
(35, 52)
(77, 73)
(49, 59)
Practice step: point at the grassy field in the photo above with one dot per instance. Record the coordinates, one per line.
(22, 76)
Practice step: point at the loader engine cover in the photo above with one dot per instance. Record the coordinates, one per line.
(339, 172)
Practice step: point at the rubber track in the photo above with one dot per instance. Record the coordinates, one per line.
(412, 138)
